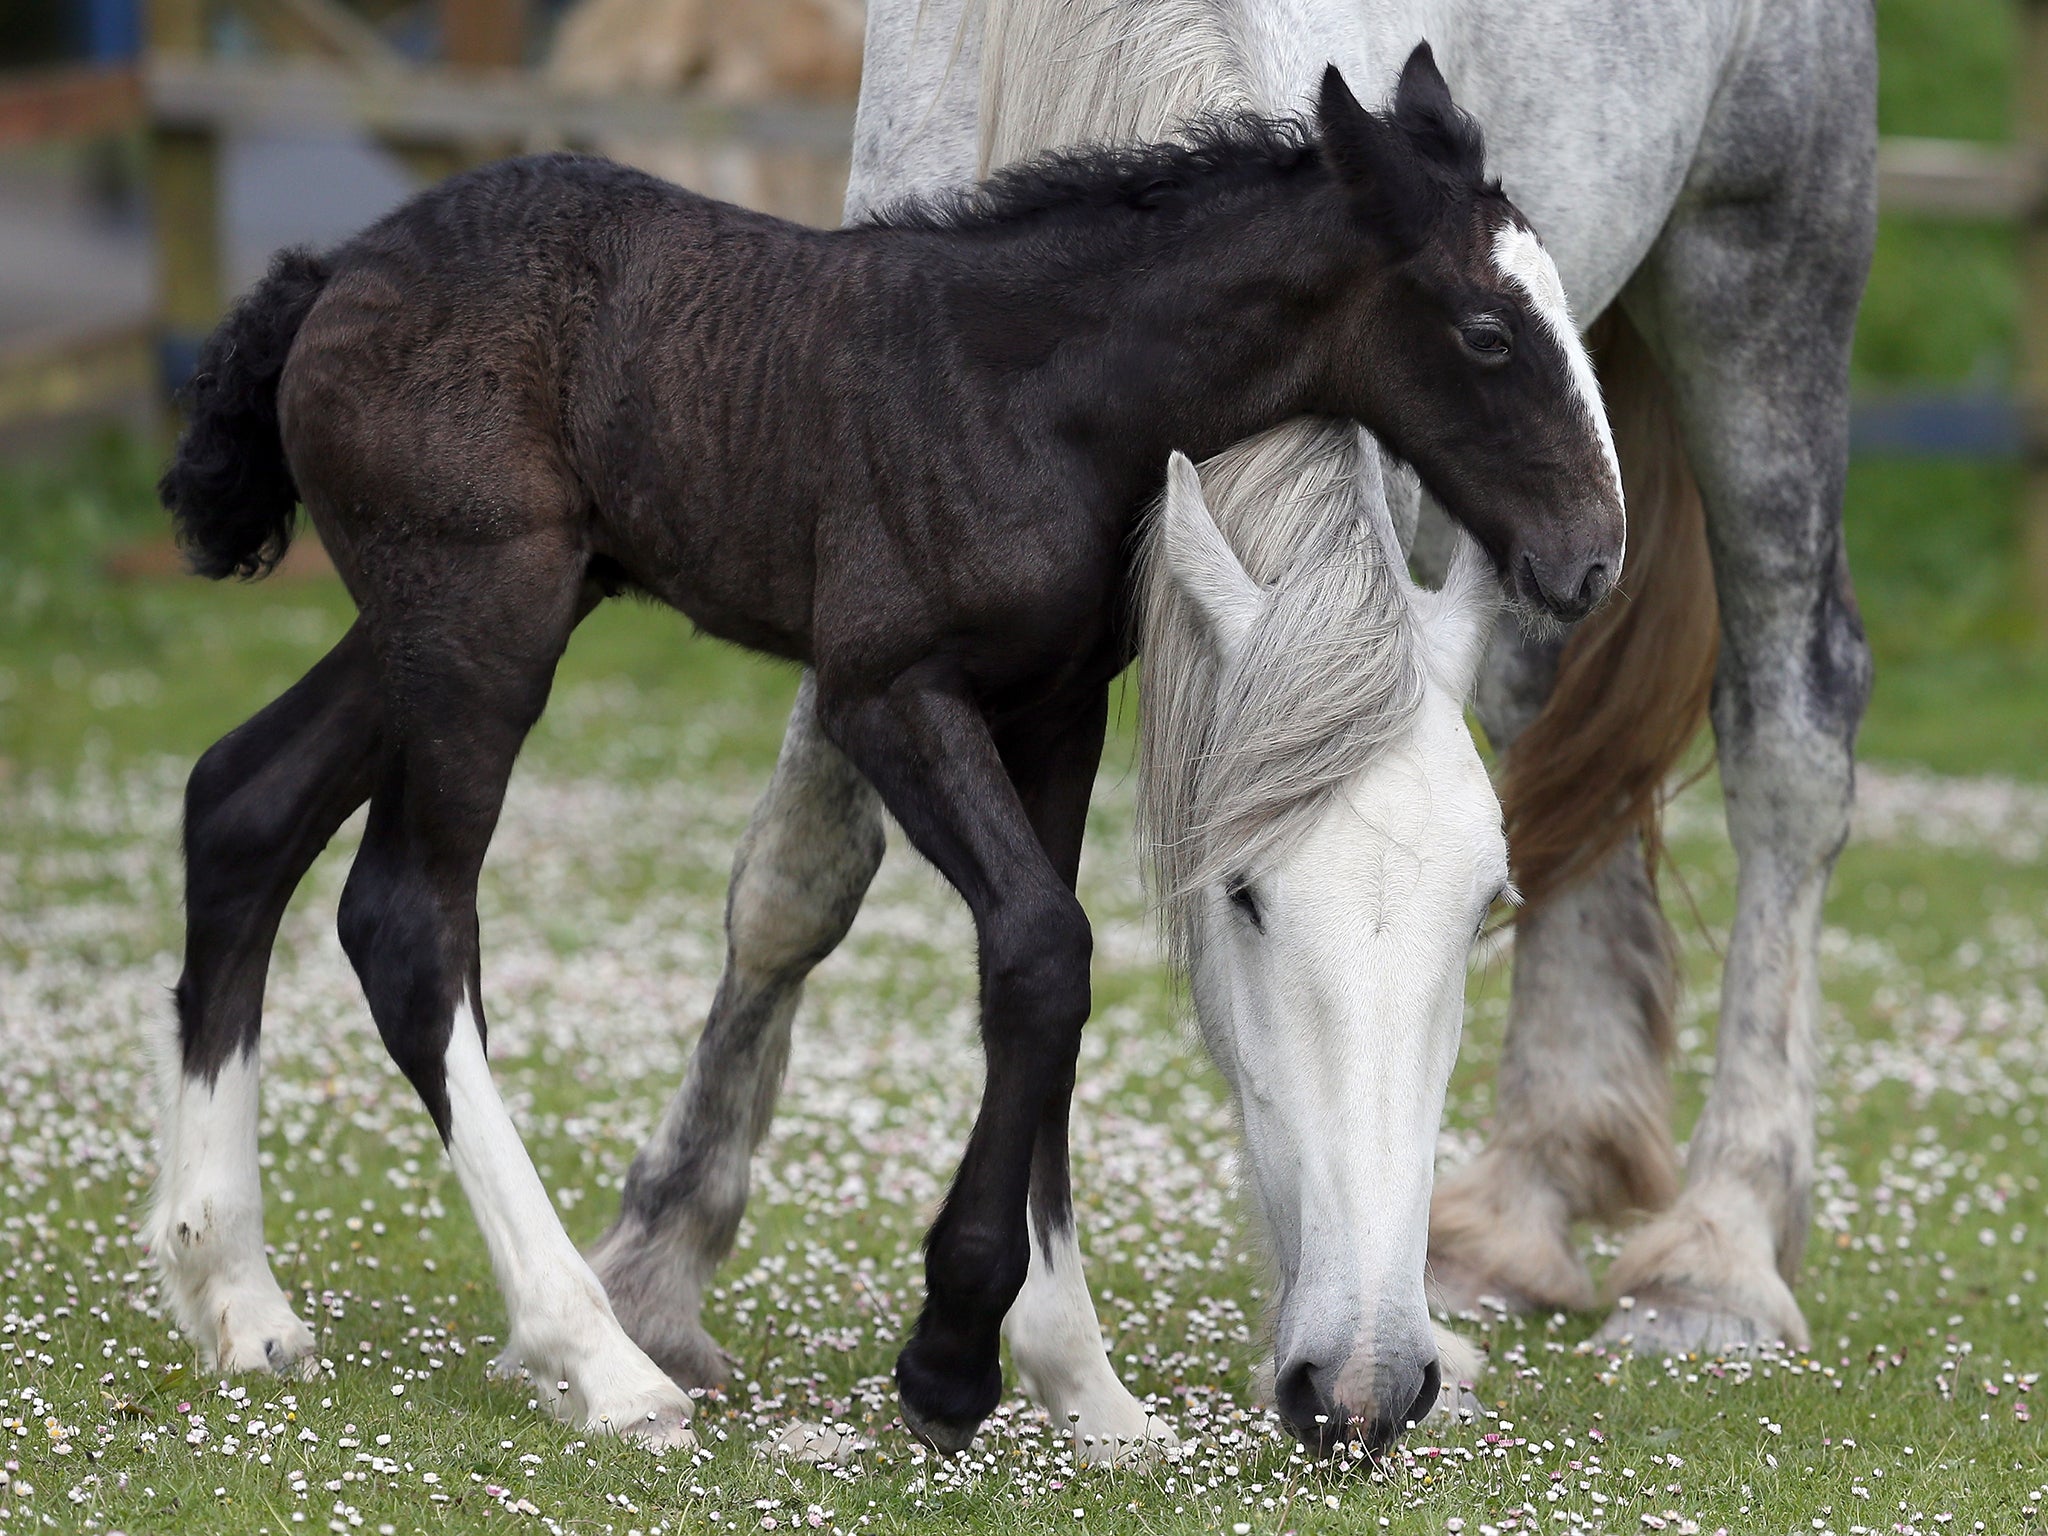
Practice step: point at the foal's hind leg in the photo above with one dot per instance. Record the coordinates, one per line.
(466, 665)
(261, 804)
(810, 850)
(1752, 300)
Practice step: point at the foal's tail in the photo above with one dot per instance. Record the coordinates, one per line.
(1633, 682)
(229, 489)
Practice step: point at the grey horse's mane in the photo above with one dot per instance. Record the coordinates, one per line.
(1229, 768)
(1092, 72)
(1234, 760)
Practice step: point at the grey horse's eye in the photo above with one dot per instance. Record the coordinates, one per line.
(1246, 900)
(1506, 894)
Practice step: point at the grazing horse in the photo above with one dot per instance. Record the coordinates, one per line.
(1703, 172)
(912, 456)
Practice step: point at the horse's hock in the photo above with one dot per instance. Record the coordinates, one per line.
(763, 50)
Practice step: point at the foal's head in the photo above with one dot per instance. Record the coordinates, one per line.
(1462, 353)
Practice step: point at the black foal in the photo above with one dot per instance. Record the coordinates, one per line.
(913, 456)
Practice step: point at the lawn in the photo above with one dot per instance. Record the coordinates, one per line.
(1923, 1284)
(602, 941)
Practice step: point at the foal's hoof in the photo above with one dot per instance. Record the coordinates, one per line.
(939, 1407)
(947, 1439)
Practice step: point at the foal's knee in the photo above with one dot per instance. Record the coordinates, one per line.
(1035, 972)
(230, 835)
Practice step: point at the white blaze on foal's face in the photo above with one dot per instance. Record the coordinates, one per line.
(1330, 982)
(1523, 262)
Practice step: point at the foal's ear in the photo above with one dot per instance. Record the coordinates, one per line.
(1423, 110)
(1378, 163)
(1203, 567)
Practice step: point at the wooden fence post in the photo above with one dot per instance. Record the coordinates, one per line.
(475, 34)
(2032, 372)
(184, 205)
(483, 34)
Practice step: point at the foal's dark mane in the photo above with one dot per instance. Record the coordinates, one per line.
(1216, 153)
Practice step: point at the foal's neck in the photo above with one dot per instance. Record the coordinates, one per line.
(1149, 332)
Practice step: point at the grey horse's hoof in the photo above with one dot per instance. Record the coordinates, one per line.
(1649, 1326)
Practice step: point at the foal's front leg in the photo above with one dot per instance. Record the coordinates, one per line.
(927, 749)
(1054, 1335)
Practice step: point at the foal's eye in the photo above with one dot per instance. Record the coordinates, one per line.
(1487, 340)
(1246, 901)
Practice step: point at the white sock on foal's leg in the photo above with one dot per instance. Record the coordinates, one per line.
(204, 1230)
(1057, 1344)
(562, 1328)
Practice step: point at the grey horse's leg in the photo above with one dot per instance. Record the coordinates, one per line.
(1582, 1122)
(815, 839)
(1750, 297)
(810, 850)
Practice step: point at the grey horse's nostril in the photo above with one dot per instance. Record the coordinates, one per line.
(1391, 1419)
(1307, 1410)
(1432, 1388)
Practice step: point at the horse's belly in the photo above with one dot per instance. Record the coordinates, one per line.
(741, 579)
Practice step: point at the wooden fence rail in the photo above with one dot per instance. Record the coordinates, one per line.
(436, 107)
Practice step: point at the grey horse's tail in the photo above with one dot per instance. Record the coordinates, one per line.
(229, 490)
(1634, 680)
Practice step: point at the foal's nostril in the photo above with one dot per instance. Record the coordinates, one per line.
(1594, 585)
(1567, 596)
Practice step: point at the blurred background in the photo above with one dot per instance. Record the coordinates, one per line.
(154, 152)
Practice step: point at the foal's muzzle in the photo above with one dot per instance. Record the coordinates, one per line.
(1569, 589)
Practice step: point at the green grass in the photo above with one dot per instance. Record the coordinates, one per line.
(1927, 1251)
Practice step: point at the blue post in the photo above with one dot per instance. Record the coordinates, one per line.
(113, 30)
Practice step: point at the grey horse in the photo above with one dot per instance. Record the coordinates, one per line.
(1702, 172)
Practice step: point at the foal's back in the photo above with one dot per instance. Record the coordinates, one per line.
(543, 340)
